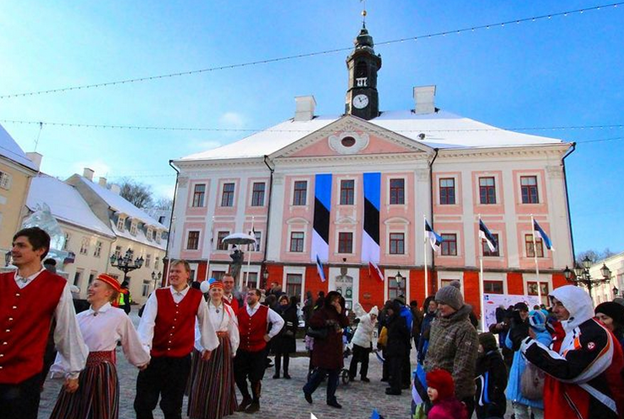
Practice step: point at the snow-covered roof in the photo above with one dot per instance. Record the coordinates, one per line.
(66, 204)
(121, 205)
(12, 151)
(442, 130)
(138, 237)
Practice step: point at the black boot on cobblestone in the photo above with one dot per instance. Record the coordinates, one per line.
(253, 407)
(334, 403)
(307, 396)
(244, 404)
(286, 376)
(365, 379)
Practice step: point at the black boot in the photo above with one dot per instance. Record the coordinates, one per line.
(286, 362)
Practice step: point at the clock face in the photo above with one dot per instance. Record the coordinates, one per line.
(360, 101)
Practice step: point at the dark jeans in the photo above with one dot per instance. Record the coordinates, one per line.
(166, 378)
(406, 378)
(278, 363)
(315, 380)
(395, 370)
(360, 354)
(20, 400)
(249, 365)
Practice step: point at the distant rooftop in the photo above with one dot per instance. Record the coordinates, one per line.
(12, 151)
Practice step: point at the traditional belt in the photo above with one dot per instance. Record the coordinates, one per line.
(222, 334)
(99, 357)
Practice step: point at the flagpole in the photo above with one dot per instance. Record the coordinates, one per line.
(425, 258)
(539, 286)
(249, 257)
(481, 288)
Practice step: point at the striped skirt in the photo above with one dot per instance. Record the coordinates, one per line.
(212, 390)
(97, 396)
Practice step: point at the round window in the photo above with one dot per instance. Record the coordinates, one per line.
(347, 142)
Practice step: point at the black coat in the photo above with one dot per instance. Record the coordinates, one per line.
(491, 370)
(284, 342)
(398, 336)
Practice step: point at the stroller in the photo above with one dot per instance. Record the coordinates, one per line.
(347, 335)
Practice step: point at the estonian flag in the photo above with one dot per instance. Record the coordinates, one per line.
(319, 268)
(537, 229)
(434, 238)
(485, 234)
(374, 270)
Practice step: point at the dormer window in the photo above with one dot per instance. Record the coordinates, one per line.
(134, 228)
(158, 234)
(150, 233)
(121, 223)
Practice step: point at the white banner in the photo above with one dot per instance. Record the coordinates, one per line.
(493, 301)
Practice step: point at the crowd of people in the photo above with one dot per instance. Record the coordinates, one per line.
(205, 341)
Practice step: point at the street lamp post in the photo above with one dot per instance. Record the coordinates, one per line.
(581, 275)
(125, 263)
(265, 277)
(7, 258)
(156, 277)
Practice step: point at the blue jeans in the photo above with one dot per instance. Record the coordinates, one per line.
(315, 380)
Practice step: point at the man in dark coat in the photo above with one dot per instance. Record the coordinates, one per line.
(327, 354)
(398, 347)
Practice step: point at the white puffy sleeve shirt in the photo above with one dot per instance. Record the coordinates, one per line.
(223, 319)
(102, 329)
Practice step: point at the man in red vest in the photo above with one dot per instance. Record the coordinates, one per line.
(29, 299)
(253, 322)
(167, 329)
(228, 292)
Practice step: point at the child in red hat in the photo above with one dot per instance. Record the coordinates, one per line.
(441, 392)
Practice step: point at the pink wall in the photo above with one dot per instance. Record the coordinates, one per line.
(221, 255)
(303, 216)
(457, 208)
(499, 207)
(444, 227)
(523, 228)
(193, 226)
(219, 210)
(496, 226)
(542, 206)
(375, 145)
(197, 211)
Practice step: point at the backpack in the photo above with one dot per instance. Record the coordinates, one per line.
(532, 382)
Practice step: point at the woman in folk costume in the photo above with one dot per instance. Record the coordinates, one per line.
(102, 326)
(213, 393)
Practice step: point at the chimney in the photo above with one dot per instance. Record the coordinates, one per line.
(88, 173)
(424, 98)
(35, 158)
(115, 188)
(305, 108)
(102, 181)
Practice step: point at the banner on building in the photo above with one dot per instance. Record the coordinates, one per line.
(322, 208)
(493, 301)
(370, 236)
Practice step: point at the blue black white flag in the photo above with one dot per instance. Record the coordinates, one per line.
(434, 238)
(537, 229)
(489, 238)
(319, 268)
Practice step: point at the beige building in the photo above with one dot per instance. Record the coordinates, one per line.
(16, 172)
(606, 291)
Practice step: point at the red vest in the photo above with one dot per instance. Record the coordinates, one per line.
(174, 331)
(233, 304)
(25, 317)
(252, 329)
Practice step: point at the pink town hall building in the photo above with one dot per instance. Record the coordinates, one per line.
(357, 187)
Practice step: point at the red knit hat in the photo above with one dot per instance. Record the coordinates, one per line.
(110, 281)
(442, 381)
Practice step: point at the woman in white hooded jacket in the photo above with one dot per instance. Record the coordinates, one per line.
(362, 341)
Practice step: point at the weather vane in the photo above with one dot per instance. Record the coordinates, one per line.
(363, 12)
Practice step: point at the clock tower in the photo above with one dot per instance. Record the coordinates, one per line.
(362, 98)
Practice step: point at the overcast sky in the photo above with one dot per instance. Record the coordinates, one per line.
(559, 72)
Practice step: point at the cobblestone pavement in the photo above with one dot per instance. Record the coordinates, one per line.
(281, 399)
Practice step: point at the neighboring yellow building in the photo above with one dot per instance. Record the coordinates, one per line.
(16, 172)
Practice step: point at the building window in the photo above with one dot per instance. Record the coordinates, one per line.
(66, 244)
(77, 276)
(192, 243)
(121, 221)
(98, 249)
(220, 236)
(148, 260)
(134, 228)
(227, 199)
(5, 180)
(161, 219)
(396, 289)
(493, 287)
(347, 191)
(118, 251)
(486, 249)
(92, 276)
(528, 244)
(257, 195)
(397, 191)
(258, 236)
(156, 262)
(449, 245)
(157, 235)
(84, 246)
(397, 243)
(300, 192)
(487, 190)
(150, 234)
(447, 191)
(218, 275)
(199, 193)
(293, 284)
(528, 187)
(252, 279)
(147, 285)
(345, 242)
(296, 241)
(532, 290)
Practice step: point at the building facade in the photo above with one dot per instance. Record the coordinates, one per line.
(357, 187)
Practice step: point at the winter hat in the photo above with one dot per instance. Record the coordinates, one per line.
(521, 306)
(110, 281)
(451, 296)
(442, 381)
(456, 284)
(400, 299)
(613, 310)
(488, 341)
(619, 300)
(537, 320)
(374, 311)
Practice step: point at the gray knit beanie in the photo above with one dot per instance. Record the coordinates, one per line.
(451, 296)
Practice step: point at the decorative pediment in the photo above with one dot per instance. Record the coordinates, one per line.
(351, 136)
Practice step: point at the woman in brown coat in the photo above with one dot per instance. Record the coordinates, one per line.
(327, 354)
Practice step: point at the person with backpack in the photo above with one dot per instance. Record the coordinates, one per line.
(491, 380)
(520, 402)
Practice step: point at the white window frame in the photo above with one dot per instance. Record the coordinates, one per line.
(5, 180)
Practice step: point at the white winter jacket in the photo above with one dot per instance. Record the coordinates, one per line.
(363, 336)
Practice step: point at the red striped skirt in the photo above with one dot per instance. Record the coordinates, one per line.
(97, 396)
(212, 391)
